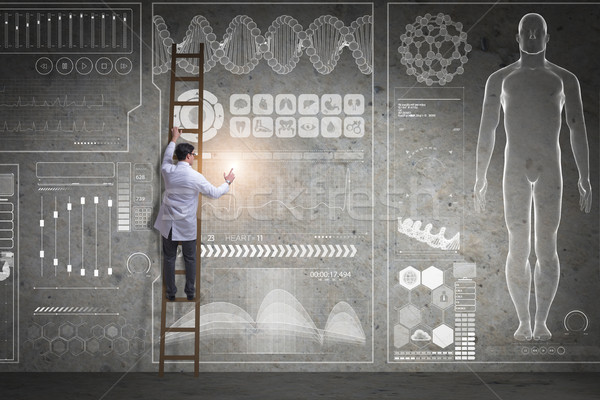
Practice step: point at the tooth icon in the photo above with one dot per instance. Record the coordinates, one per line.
(240, 126)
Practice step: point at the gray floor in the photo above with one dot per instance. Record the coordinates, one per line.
(404, 386)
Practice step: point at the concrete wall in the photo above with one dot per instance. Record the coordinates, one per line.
(349, 240)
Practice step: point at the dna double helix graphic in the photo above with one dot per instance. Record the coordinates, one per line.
(281, 46)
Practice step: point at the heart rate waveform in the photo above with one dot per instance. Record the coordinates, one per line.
(38, 115)
(281, 46)
(62, 101)
(48, 127)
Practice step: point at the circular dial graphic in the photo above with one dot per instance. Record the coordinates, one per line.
(187, 116)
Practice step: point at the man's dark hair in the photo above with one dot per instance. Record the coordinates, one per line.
(182, 150)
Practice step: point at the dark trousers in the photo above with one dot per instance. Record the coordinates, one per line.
(189, 256)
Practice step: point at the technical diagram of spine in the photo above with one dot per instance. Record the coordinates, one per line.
(434, 49)
(532, 92)
(281, 46)
(413, 230)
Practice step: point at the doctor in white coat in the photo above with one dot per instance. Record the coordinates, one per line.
(176, 219)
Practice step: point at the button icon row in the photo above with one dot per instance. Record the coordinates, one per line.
(305, 127)
(289, 104)
(83, 66)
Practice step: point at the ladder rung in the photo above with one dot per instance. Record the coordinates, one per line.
(179, 329)
(179, 272)
(188, 55)
(177, 357)
(186, 78)
(189, 130)
(180, 300)
(187, 103)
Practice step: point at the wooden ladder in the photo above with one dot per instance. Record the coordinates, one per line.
(163, 317)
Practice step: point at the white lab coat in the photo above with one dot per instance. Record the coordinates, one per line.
(183, 185)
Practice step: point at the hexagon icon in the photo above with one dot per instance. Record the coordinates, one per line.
(420, 297)
(67, 331)
(138, 346)
(409, 277)
(50, 330)
(122, 321)
(97, 331)
(76, 346)
(400, 336)
(443, 336)
(59, 346)
(84, 331)
(432, 277)
(442, 297)
(106, 346)
(34, 331)
(111, 330)
(409, 316)
(128, 332)
(432, 316)
(121, 345)
(41, 346)
(92, 346)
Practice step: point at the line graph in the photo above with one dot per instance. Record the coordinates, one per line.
(59, 101)
(280, 314)
(70, 115)
(50, 127)
(254, 314)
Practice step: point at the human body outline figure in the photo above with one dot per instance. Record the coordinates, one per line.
(532, 92)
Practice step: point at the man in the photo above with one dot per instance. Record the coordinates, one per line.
(532, 92)
(176, 219)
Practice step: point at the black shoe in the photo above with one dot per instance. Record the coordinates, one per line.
(171, 298)
(190, 297)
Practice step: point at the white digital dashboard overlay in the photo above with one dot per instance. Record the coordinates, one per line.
(66, 120)
(69, 97)
(290, 254)
(287, 271)
(9, 262)
(448, 299)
